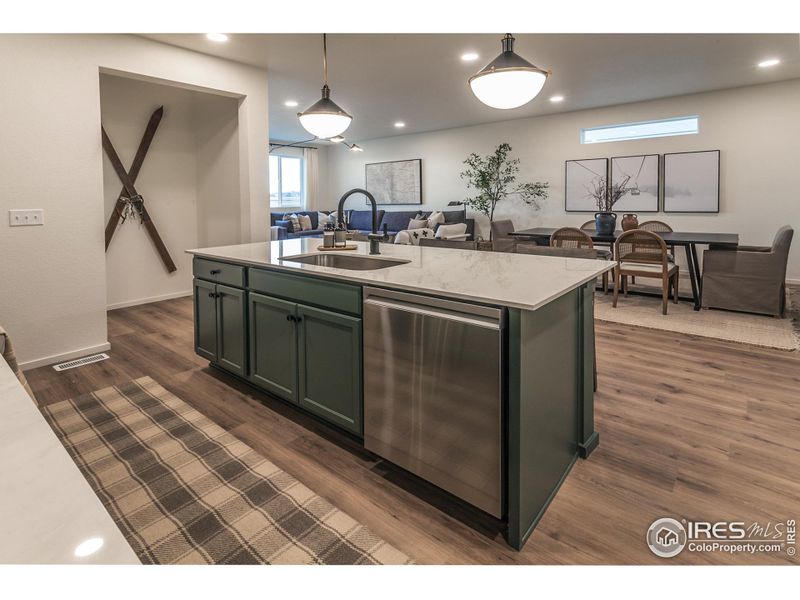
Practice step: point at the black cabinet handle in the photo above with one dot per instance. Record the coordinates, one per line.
(290, 317)
(215, 271)
(298, 319)
(212, 295)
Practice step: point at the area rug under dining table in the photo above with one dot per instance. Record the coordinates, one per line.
(756, 330)
(184, 491)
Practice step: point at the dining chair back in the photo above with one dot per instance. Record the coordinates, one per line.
(589, 226)
(641, 253)
(570, 237)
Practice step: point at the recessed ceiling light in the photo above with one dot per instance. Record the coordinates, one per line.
(556, 98)
(769, 63)
(88, 547)
(399, 124)
(217, 37)
(469, 56)
(290, 103)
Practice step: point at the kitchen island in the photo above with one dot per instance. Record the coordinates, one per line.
(473, 370)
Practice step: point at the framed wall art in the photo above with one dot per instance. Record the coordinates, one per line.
(691, 182)
(395, 182)
(583, 178)
(640, 177)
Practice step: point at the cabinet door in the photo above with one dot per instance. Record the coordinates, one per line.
(205, 319)
(273, 345)
(329, 354)
(231, 335)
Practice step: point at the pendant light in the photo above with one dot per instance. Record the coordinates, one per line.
(509, 81)
(325, 119)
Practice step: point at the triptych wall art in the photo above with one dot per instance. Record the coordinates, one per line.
(688, 182)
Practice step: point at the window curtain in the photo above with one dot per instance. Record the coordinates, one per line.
(311, 161)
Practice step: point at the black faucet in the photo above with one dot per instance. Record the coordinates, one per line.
(374, 237)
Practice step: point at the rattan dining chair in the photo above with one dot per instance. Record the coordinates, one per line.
(642, 253)
(589, 226)
(572, 237)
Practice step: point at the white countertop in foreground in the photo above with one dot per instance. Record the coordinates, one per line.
(47, 508)
(514, 280)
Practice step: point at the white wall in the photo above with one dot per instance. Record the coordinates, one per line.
(756, 128)
(53, 296)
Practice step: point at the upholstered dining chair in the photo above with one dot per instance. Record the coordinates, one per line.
(502, 241)
(641, 253)
(748, 278)
(572, 237)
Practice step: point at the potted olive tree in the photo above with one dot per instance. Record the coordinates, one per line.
(494, 177)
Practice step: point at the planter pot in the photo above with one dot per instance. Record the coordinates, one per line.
(605, 222)
(629, 221)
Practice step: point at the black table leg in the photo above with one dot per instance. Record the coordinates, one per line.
(694, 272)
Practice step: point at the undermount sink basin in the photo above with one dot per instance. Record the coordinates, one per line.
(346, 261)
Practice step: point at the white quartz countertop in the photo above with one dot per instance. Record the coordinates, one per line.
(47, 508)
(515, 280)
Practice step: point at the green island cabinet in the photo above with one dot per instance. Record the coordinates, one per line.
(220, 315)
(299, 337)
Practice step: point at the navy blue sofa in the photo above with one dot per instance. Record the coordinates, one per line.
(361, 221)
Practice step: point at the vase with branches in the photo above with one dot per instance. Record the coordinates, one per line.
(494, 177)
(605, 197)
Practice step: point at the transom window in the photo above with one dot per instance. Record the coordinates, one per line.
(286, 189)
(641, 130)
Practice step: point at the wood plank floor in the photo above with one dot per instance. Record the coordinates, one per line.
(689, 427)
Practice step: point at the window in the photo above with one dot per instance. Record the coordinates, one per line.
(641, 130)
(286, 188)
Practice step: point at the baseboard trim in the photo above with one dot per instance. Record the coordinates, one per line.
(150, 300)
(57, 358)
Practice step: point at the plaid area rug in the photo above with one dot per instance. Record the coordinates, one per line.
(184, 491)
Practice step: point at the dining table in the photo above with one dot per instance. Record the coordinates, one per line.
(688, 240)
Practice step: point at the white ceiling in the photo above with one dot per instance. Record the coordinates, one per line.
(421, 80)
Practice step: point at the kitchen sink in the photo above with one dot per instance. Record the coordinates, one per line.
(344, 261)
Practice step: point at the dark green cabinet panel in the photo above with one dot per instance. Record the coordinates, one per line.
(219, 272)
(333, 295)
(329, 350)
(205, 318)
(273, 345)
(231, 319)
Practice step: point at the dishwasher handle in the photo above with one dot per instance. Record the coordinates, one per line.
(445, 309)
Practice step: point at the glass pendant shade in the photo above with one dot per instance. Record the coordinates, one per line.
(509, 81)
(325, 119)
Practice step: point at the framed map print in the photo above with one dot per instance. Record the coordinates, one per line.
(395, 182)
(691, 182)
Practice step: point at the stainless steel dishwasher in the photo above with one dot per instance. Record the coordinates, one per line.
(433, 391)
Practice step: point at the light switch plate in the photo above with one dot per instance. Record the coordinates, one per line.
(20, 217)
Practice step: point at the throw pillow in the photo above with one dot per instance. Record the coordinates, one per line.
(305, 222)
(295, 221)
(435, 218)
(323, 218)
(449, 231)
(417, 223)
(286, 225)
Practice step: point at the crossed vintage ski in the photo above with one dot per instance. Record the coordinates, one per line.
(128, 187)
